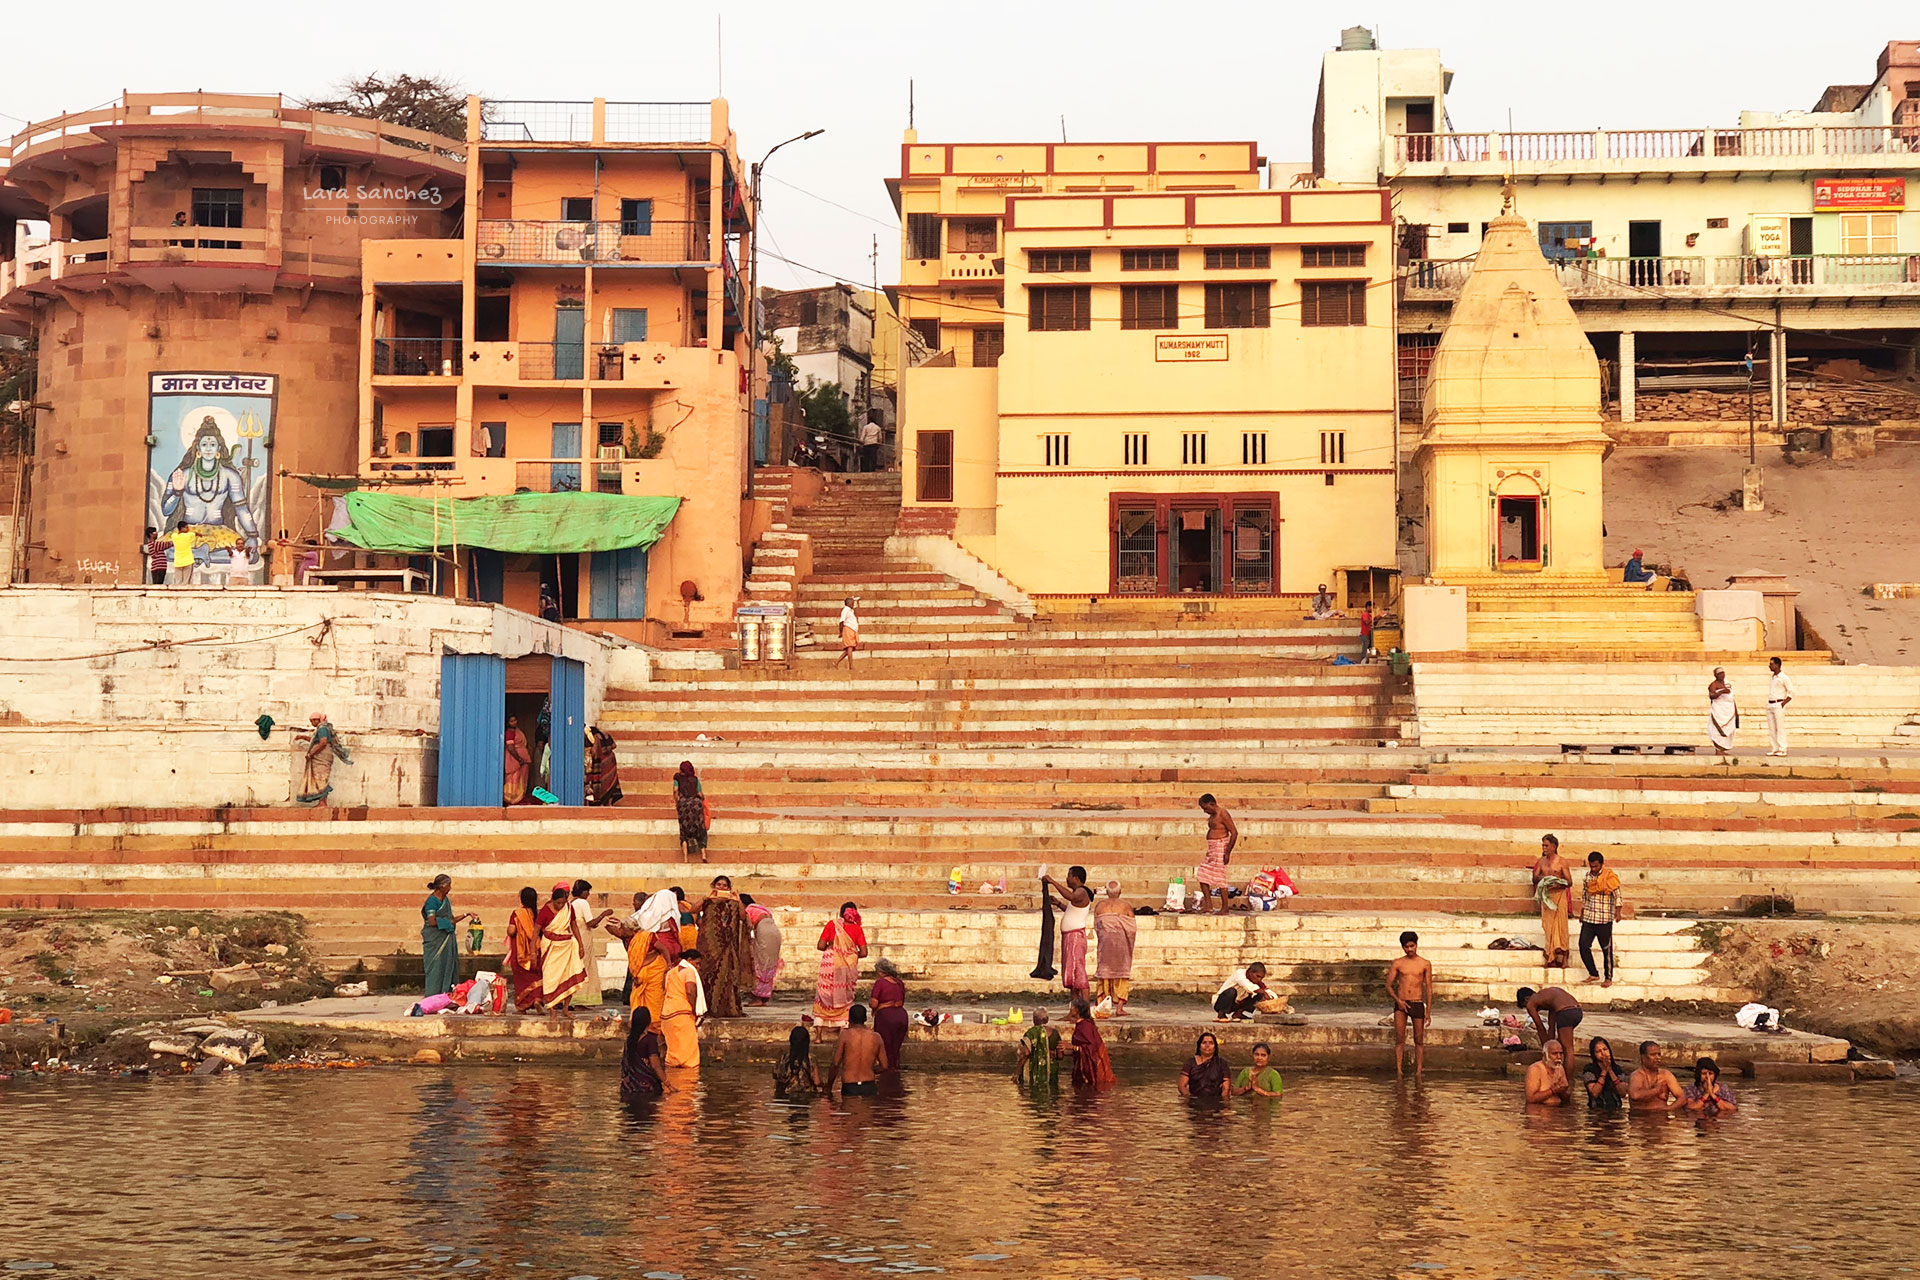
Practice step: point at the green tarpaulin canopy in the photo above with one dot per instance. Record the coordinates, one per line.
(542, 524)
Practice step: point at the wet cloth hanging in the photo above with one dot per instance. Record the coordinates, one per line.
(1044, 969)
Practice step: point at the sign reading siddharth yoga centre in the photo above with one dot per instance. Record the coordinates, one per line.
(1189, 346)
(1860, 193)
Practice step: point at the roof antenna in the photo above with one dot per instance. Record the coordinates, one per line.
(1063, 128)
(719, 57)
(909, 104)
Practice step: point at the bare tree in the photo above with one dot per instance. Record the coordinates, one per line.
(430, 103)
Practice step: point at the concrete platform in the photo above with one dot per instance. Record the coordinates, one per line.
(1158, 1033)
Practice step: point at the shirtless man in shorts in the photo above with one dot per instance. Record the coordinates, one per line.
(1652, 1087)
(1410, 983)
(858, 1059)
(1555, 1014)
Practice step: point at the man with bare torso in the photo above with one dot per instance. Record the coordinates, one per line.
(1222, 835)
(858, 1059)
(1410, 984)
(1555, 1013)
(1547, 1083)
(1652, 1087)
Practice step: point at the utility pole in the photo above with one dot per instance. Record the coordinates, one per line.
(873, 331)
(753, 295)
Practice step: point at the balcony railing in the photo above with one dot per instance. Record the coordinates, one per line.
(417, 357)
(534, 121)
(198, 110)
(1624, 278)
(197, 244)
(1640, 145)
(523, 240)
(569, 361)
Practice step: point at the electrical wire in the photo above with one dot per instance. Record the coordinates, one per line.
(157, 646)
(891, 226)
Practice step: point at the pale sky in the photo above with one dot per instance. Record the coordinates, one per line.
(984, 70)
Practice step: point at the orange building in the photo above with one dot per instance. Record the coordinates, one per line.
(194, 308)
(585, 335)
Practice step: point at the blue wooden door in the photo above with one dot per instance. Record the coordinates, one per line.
(620, 583)
(569, 342)
(473, 709)
(567, 778)
(566, 444)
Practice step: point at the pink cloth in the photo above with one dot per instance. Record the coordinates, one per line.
(1073, 960)
(1116, 934)
(1212, 873)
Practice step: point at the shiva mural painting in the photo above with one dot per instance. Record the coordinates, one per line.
(209, 454)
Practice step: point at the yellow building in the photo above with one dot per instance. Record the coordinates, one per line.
(584, 336)
(1511, 451)
(1155, 378)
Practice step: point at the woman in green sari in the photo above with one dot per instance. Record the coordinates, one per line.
(438, 947)
(1038, 1062)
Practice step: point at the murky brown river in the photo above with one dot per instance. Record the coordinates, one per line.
(539, 1172)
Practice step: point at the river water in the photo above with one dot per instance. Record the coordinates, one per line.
(540, 1172)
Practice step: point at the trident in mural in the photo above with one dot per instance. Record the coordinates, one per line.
(249, 428)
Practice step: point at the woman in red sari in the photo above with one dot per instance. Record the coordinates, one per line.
(523, 951)
(1092, 1069)
(842, 946)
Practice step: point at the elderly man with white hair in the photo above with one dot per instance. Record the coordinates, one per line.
(1114, 931)
(1723, 715)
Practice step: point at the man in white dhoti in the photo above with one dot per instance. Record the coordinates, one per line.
(1723, 715)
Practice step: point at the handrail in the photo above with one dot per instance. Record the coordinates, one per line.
(1783, 141)
(190, 109)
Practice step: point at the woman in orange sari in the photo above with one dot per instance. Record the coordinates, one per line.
(523, 951)
(685, 1003)
(842, 946)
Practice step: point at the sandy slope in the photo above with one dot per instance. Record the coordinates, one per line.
(1832, 528)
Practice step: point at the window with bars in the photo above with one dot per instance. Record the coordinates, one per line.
(1333, 302)
(218, 206)
(923, 235)
(1256, 257)
(1333, 255)
(1150, 306)
(1240, 306)
(1057, 260)
(972, 235)
(576, 209)
(1149, 259)
(1333, 448)
(933, 456)
(929, 331)
(1136, 549)
(989, 341)
(1193, 448)
(1253, 448)
(1133, 448)
(1053, 308)
(1057, 448)
(636, 217)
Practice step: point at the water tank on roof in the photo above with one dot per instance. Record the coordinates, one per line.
(1355, 39)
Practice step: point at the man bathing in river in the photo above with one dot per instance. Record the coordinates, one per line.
(1555, 1014)
(858, 1059)
(1652, 1087)
(1410, 984)
(1547, 1083)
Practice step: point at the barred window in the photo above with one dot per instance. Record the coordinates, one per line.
(1150, 306)
(1056, 260)
(1253, 448)
(1239, 306)
(1149, 259)
(1333, 302)
(1243, 258)
(1059, 307)
(923, 235)
(1134, 448)
(1333, 255)
(1333, 448)
(1193, 448)
(1056, 446)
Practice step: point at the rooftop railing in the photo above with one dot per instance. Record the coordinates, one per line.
(198, 109)
(523, 120)
(524, 240)
(1631, 145)
(1626, 278)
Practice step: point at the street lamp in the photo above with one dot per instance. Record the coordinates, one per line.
(753, 284)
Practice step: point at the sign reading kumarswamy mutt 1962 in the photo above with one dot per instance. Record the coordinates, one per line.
(1859, 193)
(1189, 346)
(208, 469)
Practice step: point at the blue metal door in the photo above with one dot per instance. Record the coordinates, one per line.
(568, 779)
(565, 477)
(620, 583)
(761, 442)
(473, 708)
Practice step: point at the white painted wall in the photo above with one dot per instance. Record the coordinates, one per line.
(147, 696)
(1363, 106)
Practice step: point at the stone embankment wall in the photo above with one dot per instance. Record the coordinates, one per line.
(148, 697)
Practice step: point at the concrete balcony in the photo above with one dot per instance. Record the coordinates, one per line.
(532, 242)
(972, 266)
(641, 365)
(494, 477)
(1626, 280)
(1606, 151)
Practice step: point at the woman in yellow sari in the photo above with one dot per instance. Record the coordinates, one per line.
(563, 965)
(684, 1004)
(653, 946)
(523, 951)
(842, 945)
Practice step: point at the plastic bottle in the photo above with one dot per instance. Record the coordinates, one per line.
(953, 880)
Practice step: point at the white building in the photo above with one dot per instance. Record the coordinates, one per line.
(1791, 236)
